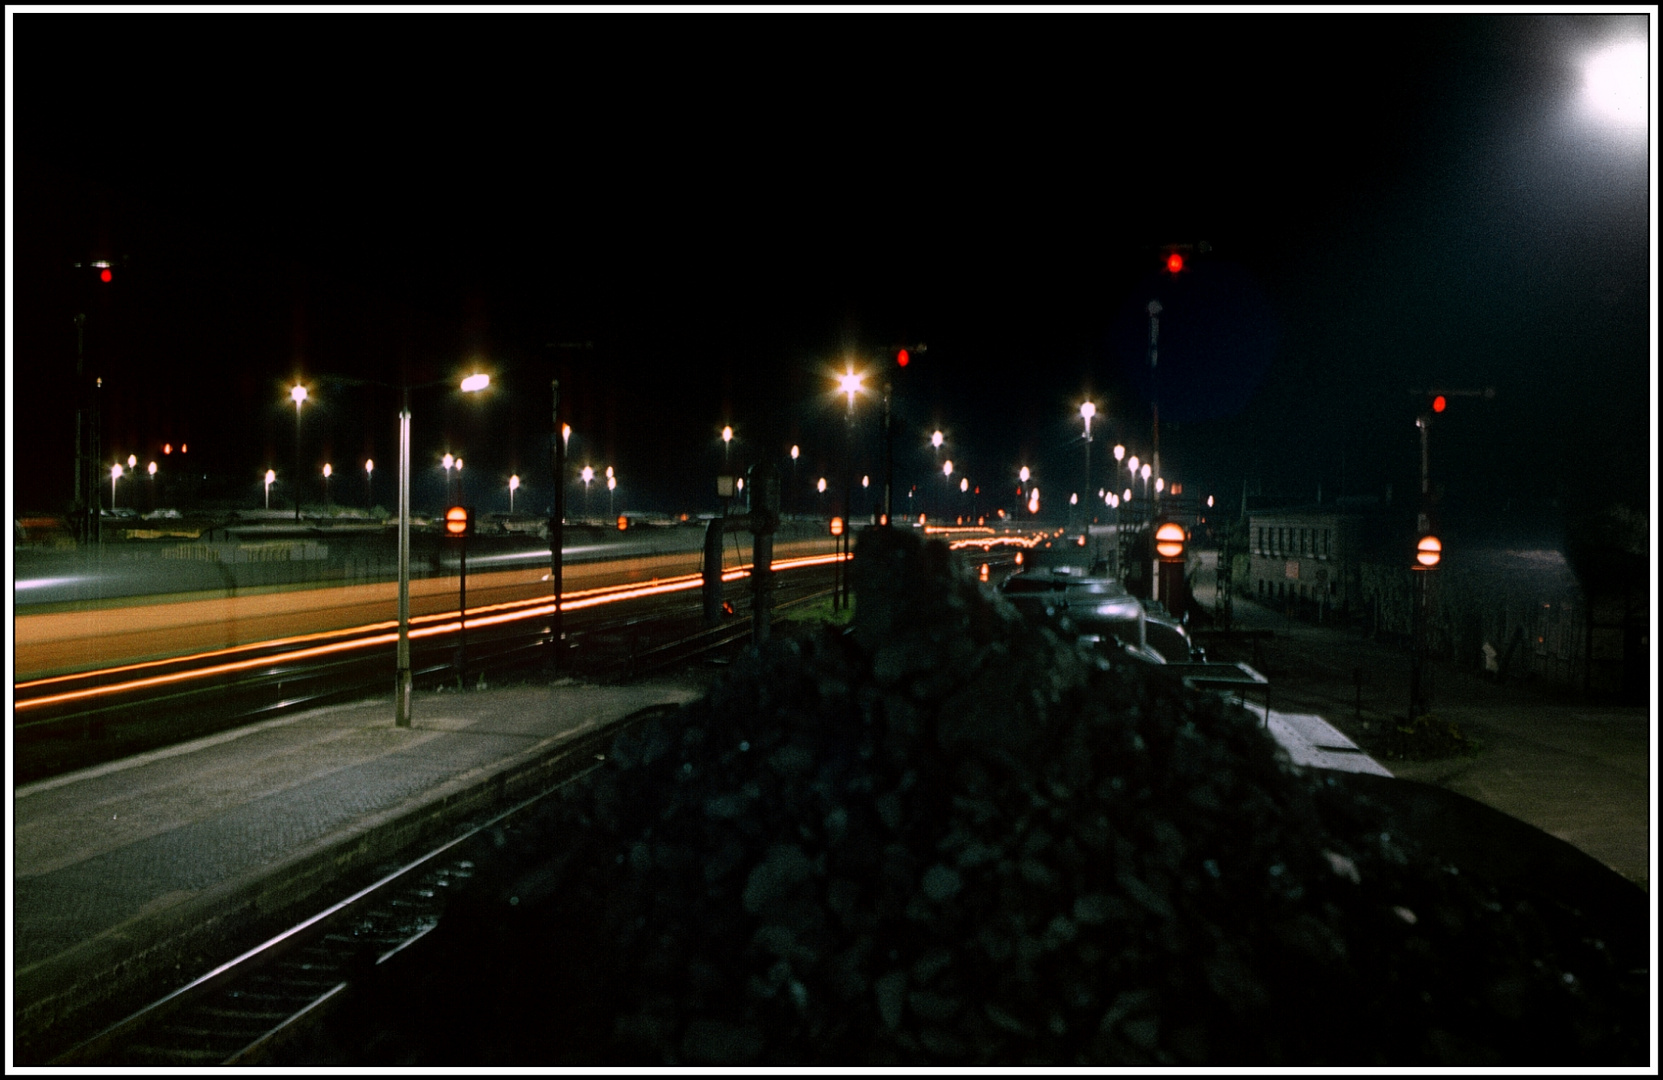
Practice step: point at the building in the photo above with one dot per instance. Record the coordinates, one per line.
(1305, 558)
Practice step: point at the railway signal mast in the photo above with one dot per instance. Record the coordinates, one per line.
(1428, 547)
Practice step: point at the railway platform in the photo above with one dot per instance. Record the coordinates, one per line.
(155, 863)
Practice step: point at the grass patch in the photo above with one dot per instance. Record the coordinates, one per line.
(818, 611)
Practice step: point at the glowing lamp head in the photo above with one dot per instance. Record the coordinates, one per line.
(476, 382)
(1428, 552)
(297, 394)
(1169, 540)
(328, 472)
(1022, 474)
(794, 452)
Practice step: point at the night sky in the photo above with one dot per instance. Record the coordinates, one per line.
(727, 214)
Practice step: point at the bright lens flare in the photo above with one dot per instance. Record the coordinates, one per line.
(1616, 84)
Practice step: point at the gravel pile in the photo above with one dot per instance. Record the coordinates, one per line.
(950, 838)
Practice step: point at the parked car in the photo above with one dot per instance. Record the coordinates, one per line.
(1098, 609)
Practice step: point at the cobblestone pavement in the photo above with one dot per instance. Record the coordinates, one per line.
(1578, 770)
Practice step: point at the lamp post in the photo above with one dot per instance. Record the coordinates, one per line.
(369, 483)
(611, 486)
(327, 469)
(402, 687)
(795, 450)
(115, 474)
(471, 384)
(727, 442)
(297, 394)
(271, 474)
(447, 461)
(587, 474)
(152, 470)
(460, 498)
(513, 486)
(1087, 410)
(848, 384)
(936, 439)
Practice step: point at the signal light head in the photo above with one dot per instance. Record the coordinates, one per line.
(458, 521)
(1439, 403)
(903, 358)
(1174, 262)
(1169, 540)
(1428, 552)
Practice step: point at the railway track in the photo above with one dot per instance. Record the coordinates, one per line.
(249, 1007)
(79, 720)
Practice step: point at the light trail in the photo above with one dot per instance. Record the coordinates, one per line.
(495, 614)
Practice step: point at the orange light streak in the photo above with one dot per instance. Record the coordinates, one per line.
(508, 611)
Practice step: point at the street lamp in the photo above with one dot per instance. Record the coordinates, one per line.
(459, 496)
(587, 474)
(447, 461)
(369, 483)
(1087, 411)
(611, 486)
(152, 471)
(297, 394)
(795, 450)
(727, 443)
(327, 470)
(115, 474)
(848, 384)
(402, 687)
(513, 486)
(271, 474)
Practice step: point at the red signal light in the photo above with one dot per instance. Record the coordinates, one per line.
(903, 358)
(104, 274)
(1439, 404)
(1174, 262)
